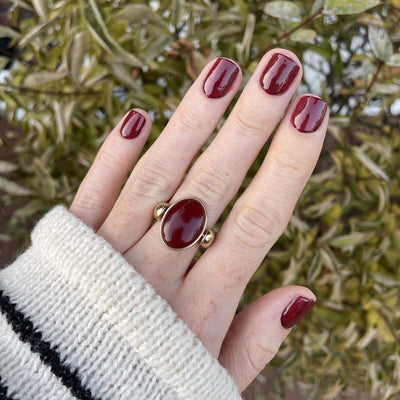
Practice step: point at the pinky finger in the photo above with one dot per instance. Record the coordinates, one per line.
(116, 157)
(258, 331)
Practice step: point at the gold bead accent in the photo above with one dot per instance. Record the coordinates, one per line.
(208, 238)
(159, 210)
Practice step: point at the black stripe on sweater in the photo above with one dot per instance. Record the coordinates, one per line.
(3, 392)
(29, 334)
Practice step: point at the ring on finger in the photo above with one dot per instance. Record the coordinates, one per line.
(183, 224)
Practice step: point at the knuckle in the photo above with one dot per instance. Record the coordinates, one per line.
(287, 161)
(255, 228)
(210, 184)
(151, 180)
(229, 277)
(258, 355)
(188, 120)
(110, 162)
(254, 126)
(89, 199)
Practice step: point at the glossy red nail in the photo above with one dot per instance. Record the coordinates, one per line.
(220, 78)
(132, 125)
(309, 114)
(298, 308)
(279, 74)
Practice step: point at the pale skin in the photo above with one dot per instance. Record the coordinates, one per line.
(206, 295)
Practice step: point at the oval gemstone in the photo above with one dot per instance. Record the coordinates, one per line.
(183, 223)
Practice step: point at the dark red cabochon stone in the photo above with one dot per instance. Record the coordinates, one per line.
(183, 223)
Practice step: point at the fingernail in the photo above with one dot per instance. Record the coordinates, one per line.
(220, 78)
(279, 74)
(298, 308)
(309, 114)
(132, 125)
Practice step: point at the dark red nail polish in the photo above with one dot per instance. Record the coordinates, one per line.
(309, 114)
(279, 74)
(220, 78)
(132, 125)
(298, 308)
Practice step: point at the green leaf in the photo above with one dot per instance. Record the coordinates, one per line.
(385, 280)
(385, 88)
(394, 60)
(247, 38)
(380, 43)
(7, 166)
(35, 32)
(318, 4)
(303, 35)
(41, 8)
(76, 55)
(157, 47)
(3, 62)
(227, 31)
(343, 7)
(13, 188)
(63, 113)
(139, 13)
(121, 72)
(315, 270)
(350, 240)
(7, 32)
(370, 165)
(43, 77)
(176, 12)
(23, 4)
(118, 50)
(284, 10)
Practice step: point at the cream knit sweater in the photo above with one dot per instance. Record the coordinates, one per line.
(77, 322)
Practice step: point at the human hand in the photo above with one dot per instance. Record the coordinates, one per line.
(205, 294)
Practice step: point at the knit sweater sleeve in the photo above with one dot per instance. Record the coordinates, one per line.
(77, 322)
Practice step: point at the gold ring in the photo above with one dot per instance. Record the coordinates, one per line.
(183, 224)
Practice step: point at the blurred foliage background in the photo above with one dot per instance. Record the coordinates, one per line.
(72, 68)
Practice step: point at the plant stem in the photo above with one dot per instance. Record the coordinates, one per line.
(287, 34)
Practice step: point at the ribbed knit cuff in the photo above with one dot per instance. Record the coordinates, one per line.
(96, 323)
